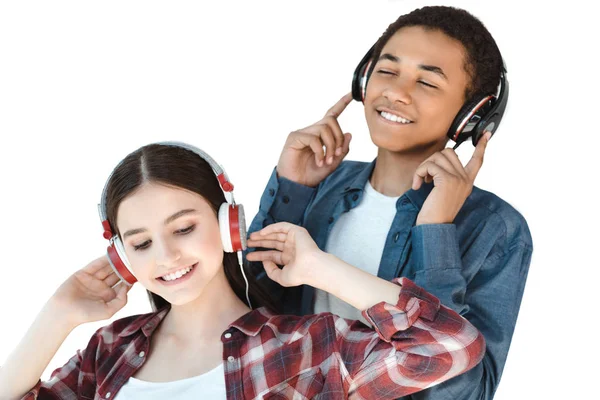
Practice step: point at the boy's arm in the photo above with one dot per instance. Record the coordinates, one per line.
(490, 301)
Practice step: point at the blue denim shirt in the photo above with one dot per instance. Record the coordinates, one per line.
(477, 265)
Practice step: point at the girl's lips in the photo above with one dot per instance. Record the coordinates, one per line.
(178, 280)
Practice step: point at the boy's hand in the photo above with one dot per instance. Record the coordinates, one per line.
(452, 183)
(302, 159)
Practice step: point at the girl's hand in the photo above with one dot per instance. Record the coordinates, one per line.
(88, 295)
(293, 248)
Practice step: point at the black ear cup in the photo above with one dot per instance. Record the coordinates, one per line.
(361, 76)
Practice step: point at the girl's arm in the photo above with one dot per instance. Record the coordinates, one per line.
(415, 341)
(85, 296)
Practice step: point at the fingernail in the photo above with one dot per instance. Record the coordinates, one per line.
(329, 160)
(320, 163)
(488, 135)
(338, 151)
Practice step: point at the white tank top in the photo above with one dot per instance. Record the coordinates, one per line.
(210, 385)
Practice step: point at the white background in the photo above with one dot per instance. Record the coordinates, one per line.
(84, 83)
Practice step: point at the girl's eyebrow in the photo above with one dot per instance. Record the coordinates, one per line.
(167, 221)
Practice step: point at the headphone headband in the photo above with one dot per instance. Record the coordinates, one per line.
(232, 222)
(224, 183)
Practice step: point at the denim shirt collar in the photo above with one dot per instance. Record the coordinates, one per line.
(417, 197)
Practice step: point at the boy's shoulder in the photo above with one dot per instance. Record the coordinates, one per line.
(489, 208)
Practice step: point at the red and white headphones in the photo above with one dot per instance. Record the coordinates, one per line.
(232, 222)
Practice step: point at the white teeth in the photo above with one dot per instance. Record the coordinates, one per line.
(177, 274)
(394, 118)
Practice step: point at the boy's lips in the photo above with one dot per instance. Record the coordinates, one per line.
(395, 113)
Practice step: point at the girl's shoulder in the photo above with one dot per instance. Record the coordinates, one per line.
(123, 328)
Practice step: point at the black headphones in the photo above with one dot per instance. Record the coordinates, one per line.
(475, 117)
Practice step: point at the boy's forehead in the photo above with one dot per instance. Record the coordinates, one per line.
(426, 46)
(430, 42)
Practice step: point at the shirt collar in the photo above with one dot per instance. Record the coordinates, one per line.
(417, 197)
(252, 322)
(147, 323)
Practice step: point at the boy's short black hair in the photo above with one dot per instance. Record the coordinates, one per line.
(483, 61)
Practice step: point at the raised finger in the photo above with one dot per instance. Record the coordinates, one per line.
(474, 165)
(340, 106)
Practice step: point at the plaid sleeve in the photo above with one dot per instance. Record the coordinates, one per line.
(63, 383)
(417, 343)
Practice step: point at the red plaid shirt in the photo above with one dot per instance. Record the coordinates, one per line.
(414, 345)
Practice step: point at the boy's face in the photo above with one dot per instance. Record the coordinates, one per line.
(420, 77)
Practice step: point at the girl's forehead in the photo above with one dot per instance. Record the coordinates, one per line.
(154, 202)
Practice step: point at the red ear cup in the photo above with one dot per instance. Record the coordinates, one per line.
(119, 264)
(237, 227)
(232, 224)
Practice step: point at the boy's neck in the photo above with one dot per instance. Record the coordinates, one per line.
(393, 173)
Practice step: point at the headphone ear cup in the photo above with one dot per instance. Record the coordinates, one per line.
(243, 233)
(119, 263)
(232, 224)
(493, 114)
(364, 80)
(488, 123)
(358, 82)
(468, 118)
(361, 76)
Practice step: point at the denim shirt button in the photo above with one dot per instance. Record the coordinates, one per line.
(286, 200)
(405, 201)
(271, 192)
(396, 236)
(355, 197)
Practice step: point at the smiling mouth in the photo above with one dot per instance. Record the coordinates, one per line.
(394, 118)
(177, 275)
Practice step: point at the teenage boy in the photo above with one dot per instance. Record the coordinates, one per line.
(413, 211)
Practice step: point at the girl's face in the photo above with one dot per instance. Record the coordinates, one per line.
(172, 241)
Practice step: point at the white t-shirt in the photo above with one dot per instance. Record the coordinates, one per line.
(210, 385)
(358, 238)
